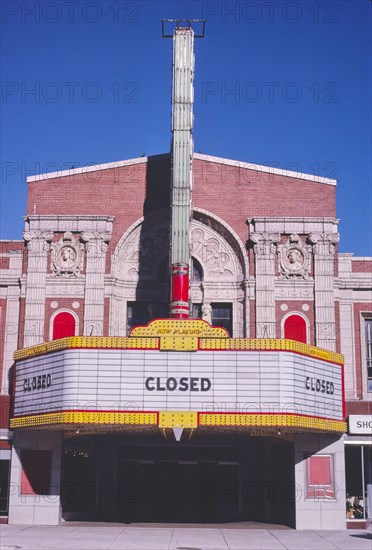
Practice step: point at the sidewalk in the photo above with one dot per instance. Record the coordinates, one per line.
(159, 537)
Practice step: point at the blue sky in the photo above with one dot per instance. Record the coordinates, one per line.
(281, 83)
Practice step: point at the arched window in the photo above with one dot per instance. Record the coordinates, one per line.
(295, 328)
(196, 271)
(64, 324)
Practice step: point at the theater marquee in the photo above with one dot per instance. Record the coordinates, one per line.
(224, 381)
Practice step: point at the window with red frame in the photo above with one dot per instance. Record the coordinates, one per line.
(320, 477)
(63, 325)
(295, 328)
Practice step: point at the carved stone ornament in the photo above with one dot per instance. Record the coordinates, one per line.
(96, 241)
(264, 244)
(140, 254)
(38, 241)
(67, 256)
(324, 244)
(294, 259)
(207, 312)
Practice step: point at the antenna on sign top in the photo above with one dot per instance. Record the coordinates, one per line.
(197, 25)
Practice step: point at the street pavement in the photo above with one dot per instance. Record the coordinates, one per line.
(176, 537)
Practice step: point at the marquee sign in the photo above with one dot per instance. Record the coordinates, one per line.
(205, 382)
(178, 373)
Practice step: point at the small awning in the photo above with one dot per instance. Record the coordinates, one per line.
(357, 440)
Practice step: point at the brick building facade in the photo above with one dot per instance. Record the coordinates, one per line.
(128, 398)
(246, 221)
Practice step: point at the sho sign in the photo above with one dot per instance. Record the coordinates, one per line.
(360, 424)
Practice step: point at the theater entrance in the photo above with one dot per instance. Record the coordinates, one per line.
(175, 492)
(202, 480)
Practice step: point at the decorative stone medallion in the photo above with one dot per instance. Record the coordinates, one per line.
(294, 258)
(67, 256)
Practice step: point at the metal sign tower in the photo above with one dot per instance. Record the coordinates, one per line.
(182, 154)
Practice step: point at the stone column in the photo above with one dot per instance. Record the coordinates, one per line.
(265, 254)
(324, 253)
(96, 247)
(38, 244)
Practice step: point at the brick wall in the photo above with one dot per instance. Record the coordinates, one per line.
(7, 247)
(231, 192)
(361, 266)
(127, 193)
(235, 194)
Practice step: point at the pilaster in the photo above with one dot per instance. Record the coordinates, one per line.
(265, 254)
(38, 245)
(96, 248)
(324, 248)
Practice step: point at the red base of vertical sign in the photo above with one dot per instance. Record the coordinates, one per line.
(180, 292)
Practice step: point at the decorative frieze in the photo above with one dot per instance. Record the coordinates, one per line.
(64, 287)
(295, 289)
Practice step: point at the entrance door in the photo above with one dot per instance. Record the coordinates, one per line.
(177, 491)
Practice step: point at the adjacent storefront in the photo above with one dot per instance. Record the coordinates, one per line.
(358, 469)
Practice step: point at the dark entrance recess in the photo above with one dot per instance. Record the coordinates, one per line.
(183, 484)
(204, 480)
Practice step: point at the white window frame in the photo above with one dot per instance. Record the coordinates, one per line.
(363, 317)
